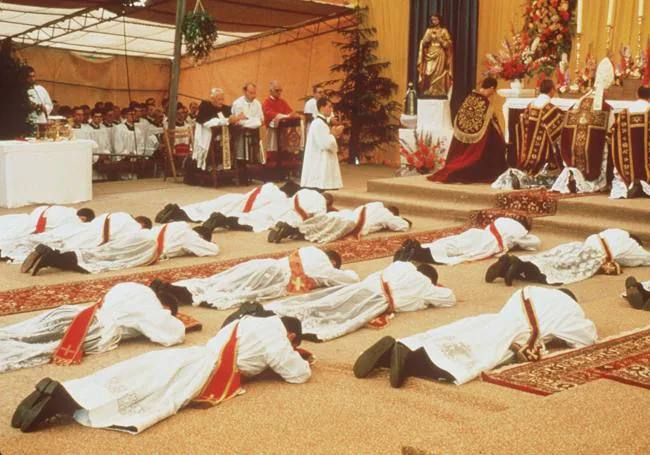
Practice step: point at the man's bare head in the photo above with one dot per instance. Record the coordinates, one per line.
(275, 88)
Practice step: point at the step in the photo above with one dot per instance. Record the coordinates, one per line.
(583, 226)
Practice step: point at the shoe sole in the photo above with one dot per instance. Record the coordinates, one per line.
(37, 264)
(25, 413)
(273, 236)
(631, 282)
(29, 261)
(397, 365)
(370, 357)
(496, 270)
(633, 295)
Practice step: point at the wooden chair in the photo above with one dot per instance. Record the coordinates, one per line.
(175, 156)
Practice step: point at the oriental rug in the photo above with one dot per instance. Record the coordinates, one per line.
(42, 297)
(624, 358)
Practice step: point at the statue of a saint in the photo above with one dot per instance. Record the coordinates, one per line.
(435, 58)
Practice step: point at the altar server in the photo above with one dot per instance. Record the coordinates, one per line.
(606, 252)
(99, 133)
(474, 244)
(320, 168)
(334, 312)
(137, 393)
(264, 279)
(64, 334)
(39, 98)
(461, 351)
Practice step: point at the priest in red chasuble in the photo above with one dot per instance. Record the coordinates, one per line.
(477, 151)
(276, 109)
(583, 143)
(536, 144)
(630, 138)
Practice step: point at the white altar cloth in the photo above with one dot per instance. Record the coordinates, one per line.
(45, 172)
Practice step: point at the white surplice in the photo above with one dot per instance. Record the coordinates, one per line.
(38, 95)
(102, 137)
(127, 140)
(468, 347)
(129, 310)
(320, 166)
(263, 279)
(332, 226)
(577, 261)
(135, 394)
(232, 204)
(16, 228)
(476, 244)
(334, 312)
(203, 137)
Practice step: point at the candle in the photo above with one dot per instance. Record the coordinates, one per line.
(610, 12)
(640, 8)
(579, 22)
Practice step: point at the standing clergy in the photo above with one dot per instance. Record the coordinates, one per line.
(605, 252)
(335, 225)
(461, 351)
(538, 161)
(474, 244)
(334, 312)
(477, 150)
(137, 393)
(630, 149)
(246, 132)
(39, 98)
(320, 167)
(275, 110)
(64, 334)
(264, 279)
(583, 144)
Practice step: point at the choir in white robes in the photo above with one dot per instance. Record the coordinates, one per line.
(334, 312)
(476, 244)
(102, 137)
(135, 394)
(468, 347)
(127, 140)
(128, 310)
(320, 166)
(263, 279)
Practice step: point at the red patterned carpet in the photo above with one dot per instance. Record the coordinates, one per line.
(625, 359)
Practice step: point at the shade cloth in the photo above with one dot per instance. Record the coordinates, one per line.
(45, 172)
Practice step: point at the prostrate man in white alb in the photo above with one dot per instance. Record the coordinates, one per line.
(39, 98)
(135, 394)
(259, 280)
(320, 168)
(499, 237)
(334, 312)
(461, 351)
(63, 335)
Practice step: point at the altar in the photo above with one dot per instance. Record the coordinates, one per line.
(45, 172)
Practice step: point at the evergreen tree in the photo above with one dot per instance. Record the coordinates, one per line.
(362, 95)
(15, 106)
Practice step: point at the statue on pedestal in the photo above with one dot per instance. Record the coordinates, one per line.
(435, 57)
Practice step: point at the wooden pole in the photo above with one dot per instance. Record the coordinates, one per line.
(176, 70)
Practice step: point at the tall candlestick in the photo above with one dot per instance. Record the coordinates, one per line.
(610, 12)
(640, 14)
(579, 21)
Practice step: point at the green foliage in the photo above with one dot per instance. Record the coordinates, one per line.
(200, 34)
(362, 95)
(15, 106)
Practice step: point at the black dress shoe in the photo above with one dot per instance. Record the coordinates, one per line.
(516, 184)
(216, 220)
(29, 261)
(571, 184)
(398, 364)
(634, 296)
(48, 400)
(205, 233)
(376, 356)
(635, 191)
(514, 271)
(498, 269)
(161, 217)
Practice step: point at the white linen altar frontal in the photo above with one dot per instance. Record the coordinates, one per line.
(45, 172)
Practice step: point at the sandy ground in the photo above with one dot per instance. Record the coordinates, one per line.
(336, 413)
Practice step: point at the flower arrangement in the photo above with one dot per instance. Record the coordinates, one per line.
(512, 61)
(199, 32)
(428, 154)
(546, 24)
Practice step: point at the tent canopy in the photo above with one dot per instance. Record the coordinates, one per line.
(149, 31)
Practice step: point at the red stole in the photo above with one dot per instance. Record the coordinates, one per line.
(497, 235)
(299, 210)
(610, 266)
(361, 222)
(160, 245)
(532, 350)
(225, 380)
(41, 223)
(106, 229)
(70, 350)
(251, 199)
(383, 319)
(299, 281)
(630, 137)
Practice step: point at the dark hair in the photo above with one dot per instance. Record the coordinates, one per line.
(429, 271)
(290, 188)
(65, 110)
(85, 107)
(99, 105)
(87, 213)
(439, 16)
(643, 92)
(108, 105)
(569, 293)
(393, 209)
(293, 325)
(167, 299)
(144, 221)
(489, 82)
(335, 257)
(247, 84)
(636, 239)
(322, 102)
(126, 110)
(526, 222)
(97, 111)
(546, 86)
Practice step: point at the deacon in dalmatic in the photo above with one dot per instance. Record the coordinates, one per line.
(461, 351)
(583, 144)
(65, 334)
(335, 225)
(538, 130)
(474, 244)
(606, 252)
(631, 148)
(264, 279)
(477, 152)
(135, 394)
(334, 312)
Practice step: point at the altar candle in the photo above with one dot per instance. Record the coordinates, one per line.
(610, 12)
(579, 22)
(640, 8)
